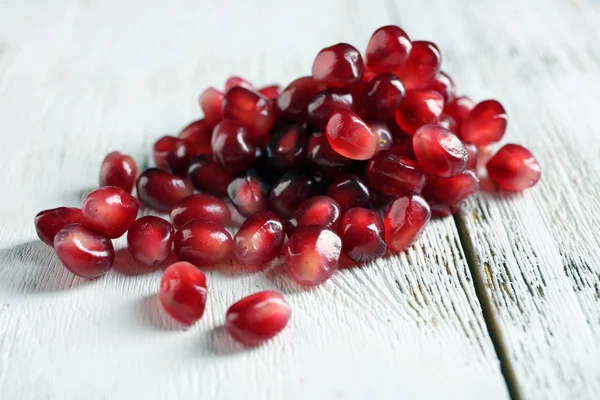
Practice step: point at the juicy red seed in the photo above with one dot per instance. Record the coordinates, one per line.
(211, 104)
(439, 151)
(259, 239)
(203, 243)
(382, 96)
(84, 252)
(312, 254)
(444, 195)
(349, 191)
(249, 194)
(472, 152)
(271, 92)
(118, 170)
(200, 206)
(199, 133)
(319, 210)
(287, 147)
(514, 168)
(388, 49)
(293, 101)
(448, 122)
(250, 109)
(325, 103)
(150, 239)
(395, 175)
(183, 292)
(289, 191)
(421, 67)
(350, 137)
(233, 81)
(404, 148)
(459, 109)
(232, 146)
(383, 134)
(257, 318)
(109, 210)
(340, 65)
(444, 85)
(485, 124)
(49, 222)
(162, 148)
(180, 156)
(404, 221)
(362, 234)
(419, 107)
(161, 190)
(209, 177)
(324, 161)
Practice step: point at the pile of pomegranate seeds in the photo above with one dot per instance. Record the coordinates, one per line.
(319, 162)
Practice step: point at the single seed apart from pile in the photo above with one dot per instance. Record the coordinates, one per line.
(183, 292)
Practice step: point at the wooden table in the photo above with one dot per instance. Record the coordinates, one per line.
(501, 301)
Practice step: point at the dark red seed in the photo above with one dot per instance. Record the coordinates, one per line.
(232, 146)
(514, 168)
(203, 243)
(211, 104)
(293, 101)
(350, 137)
(388, 49)
(382, 96)
(289, 191)
(485, 124)
(444, 85)
(395, 175)
(200, 206)
(150, 239)
(421, 67)
(349, 191)
(323, 160)
(385, 139)
(183, 292)
(271, 92)
(233, 81)
(419, 107)
(405, 221)
(161, 190)
(287, 147)
(49, 222)
(404, 148)
(448, 122)
(444, 195)
(199, 133)
(162, 148)
(459, 109)
(209, 177)
(362, 234)
(109, 210)
(250, 109)
(325, 103)
(340, 65)
(472, 152)
(180, 156)
(84, 252)
(249, 194)
(118, 170)
(259, 239)
(318, 210)
(439, 151)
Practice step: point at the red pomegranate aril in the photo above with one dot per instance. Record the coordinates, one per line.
(49, 222)
(161, 190)
(363, 235)
(405, 221)
(257, 318)
(180, 156)
(444, 195)
(293, 101)
(319, 210)
(233, 81)
(485, 124)
(259, 239)
(287, 147)
(312, 254)
(350, 137)
(232, 146)
(211, 104)
(118, 170)
(382, 96)
(388, 49)
(249, 194)
(183, 292)
(324, 161)
(439, 151)
(340, 65)
(200, 206)
(84, 252)
(199, 133)
(203, 243)
(149, 240)
(404, 148)
(459, 109)
(419, 107)
(271, 92)
(250, 109)
(444, 85)
(421, 67)
(473, 153)
(448, 122)
(289, 191)
(109, 210)
(162, 148)
(349, 191)
(395, 175)
(209, 177)
(384, 136)
(514, 168)
(325, 103)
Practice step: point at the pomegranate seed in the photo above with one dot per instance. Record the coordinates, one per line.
(349, 191)
(362, 234)
(249, 194)
(349, 136)
(448, 122)
(313, 254)
(232, 146)
(180, 156)
(271, 92)
(319, 210)
(118, 170)
(388, 49)
(404, 221)
(324, 161)
(472, 152)
(150, 239)
(211, 104)
(162, 148)
(200, 206)
(208, 176)
(419, 107)
(421, 67)
(109, 210)
(238, 81)
(183, 292)
(444, 85)
(257, 318)
(485, 124)
(444, 195)
(259, 239)
(382, 96)
(459, 109)
(84, 252)
(161, 190)
(49, 222)
(293, 101)
(287, 147)
(395, 175)
(203, 243)
(324, 104)
(199, 134)
(514, 168)
(383, 134)
(250, 109)
(340, 65)
(289, 191)
(439, 151)
(404, 148)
